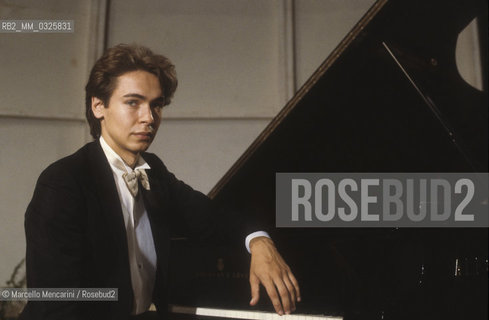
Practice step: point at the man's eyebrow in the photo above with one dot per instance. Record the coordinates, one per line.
(140, 96)
(134, 95)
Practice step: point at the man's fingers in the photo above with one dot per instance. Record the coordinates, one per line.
(268, 268)
(295, 283)
(255, 289)
(291, 292)
(274, 297)
(284, 295)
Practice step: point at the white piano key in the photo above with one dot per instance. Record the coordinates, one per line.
(245, 314)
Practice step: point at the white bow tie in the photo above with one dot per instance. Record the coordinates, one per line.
(132, 178)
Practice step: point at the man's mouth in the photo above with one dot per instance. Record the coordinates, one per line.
(144, 135)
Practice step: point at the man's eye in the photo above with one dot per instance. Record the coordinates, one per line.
(157, 105)
(132, 103)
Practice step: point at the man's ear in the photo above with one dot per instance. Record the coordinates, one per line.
(98, 108)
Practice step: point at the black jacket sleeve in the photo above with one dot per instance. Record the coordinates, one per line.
(200, 218)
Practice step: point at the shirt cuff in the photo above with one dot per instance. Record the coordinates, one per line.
(252, 236)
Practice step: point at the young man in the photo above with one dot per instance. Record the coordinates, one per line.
(102, 217)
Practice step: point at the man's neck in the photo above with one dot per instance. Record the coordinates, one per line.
(129, 158)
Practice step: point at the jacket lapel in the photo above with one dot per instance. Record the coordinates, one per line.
(156, 204)
(103, 184)
(107, 213)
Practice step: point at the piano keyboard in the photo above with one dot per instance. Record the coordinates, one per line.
(244, 314)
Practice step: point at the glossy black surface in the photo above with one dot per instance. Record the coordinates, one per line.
(361, 113)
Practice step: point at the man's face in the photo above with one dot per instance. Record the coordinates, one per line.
(130, 121)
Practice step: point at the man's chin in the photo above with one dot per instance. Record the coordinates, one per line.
(140, 146)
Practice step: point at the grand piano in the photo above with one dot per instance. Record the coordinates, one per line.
(389, 98)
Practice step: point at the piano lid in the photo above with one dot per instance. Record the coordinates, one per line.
(389, 98)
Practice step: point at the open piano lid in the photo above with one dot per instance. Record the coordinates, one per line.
(389, 98)
(384, 100)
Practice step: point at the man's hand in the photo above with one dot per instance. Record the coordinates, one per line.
(269, 269)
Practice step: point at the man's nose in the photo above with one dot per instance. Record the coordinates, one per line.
(146, 114)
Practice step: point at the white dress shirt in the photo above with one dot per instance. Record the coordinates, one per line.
(140, 243)
(142, 254)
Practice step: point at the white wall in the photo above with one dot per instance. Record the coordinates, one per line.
(235, 63)
(41, 109)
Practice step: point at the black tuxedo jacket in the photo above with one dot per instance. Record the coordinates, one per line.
(76, 236)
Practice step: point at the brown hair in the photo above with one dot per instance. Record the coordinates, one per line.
(115, 62)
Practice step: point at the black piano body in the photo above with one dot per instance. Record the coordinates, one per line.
(388, 99)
